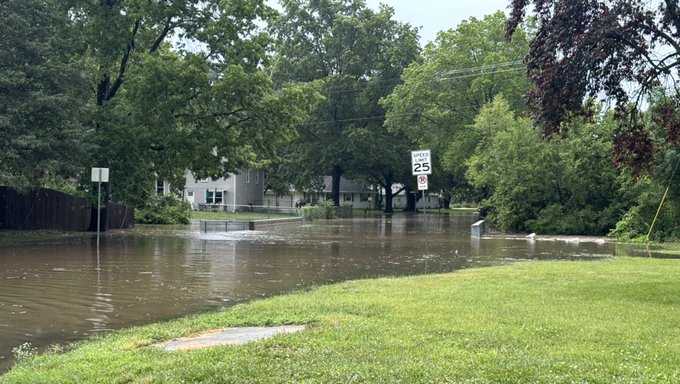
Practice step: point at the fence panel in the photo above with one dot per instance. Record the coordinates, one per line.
(53, 210)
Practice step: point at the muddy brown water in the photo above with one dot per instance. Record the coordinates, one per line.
(63, 292)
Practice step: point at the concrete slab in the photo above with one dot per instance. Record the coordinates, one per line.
(228, 336)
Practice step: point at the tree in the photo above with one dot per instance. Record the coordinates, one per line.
(567, 185)
(42, 94)
(460, 72)
(591, 48)
(358, 54)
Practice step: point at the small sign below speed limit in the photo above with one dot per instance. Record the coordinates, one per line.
(422, 182)
(420, 162)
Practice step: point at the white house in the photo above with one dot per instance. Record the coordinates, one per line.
(354, 193)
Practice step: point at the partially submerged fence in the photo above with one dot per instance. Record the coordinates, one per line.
(48, 209)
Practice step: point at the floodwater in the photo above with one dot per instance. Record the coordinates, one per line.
(59, 293)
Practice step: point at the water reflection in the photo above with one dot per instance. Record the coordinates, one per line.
(60, 293)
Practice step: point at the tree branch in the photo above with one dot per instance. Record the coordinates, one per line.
(123, 63)
(169, 25)
(659, 33)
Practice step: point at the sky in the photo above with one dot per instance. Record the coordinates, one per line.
(437, 15)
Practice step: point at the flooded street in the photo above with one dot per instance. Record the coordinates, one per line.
(65, 292)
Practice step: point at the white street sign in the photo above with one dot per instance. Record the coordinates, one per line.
(100, 175)
(420, 162)
(422, 182)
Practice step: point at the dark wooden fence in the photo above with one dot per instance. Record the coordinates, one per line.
(54, 210)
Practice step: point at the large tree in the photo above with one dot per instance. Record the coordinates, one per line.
(152, 87)
(462, 70)
(358, 54)
(43, 89)
(619, 49)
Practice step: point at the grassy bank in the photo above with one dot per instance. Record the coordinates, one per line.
(243, 216)
(613, 321)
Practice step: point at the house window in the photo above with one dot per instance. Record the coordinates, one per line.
(160, 187)
(348, 197)
(363, 197)
(190, 193)
(213, 196)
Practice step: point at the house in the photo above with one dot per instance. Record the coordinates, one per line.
(354, 193)
(235, 192)
(427, 201)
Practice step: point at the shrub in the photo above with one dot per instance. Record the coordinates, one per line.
(322, 211)
(164, 210)
(564, 185)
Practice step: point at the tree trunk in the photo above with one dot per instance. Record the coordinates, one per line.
(335, 191)
(410, 200)
(388, 195)
(446, 200)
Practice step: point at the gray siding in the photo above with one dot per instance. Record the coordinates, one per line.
(241, 189)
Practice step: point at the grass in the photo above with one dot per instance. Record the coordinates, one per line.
(612, 321)
(204, 215)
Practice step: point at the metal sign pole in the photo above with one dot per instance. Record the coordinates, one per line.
(99, 206)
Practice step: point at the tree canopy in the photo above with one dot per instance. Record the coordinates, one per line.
(358, 54)
(42, 85)
(592, 48)
(148, 89)
(462, 70)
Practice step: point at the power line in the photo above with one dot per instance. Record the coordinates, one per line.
(460, 108)
(339, 90)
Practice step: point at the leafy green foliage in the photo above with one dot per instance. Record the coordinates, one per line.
(100, 84)
(464, 69)
(42, 86)
(165, 209)
(358, 54)
(567, 185)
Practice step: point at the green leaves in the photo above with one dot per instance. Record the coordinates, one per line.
(462, 70)
(42, 84)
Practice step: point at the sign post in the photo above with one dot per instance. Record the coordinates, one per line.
(99, 176)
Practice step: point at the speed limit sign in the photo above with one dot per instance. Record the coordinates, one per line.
(420, 162)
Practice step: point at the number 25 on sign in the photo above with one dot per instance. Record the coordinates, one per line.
(420, 162)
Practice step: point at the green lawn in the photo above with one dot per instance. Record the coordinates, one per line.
(202, 215)
(612, 321)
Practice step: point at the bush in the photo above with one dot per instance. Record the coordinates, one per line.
(327, 211)
(322, 211)
(564, 185)
(164, 210)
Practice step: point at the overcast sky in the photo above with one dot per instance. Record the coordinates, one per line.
(438, 15)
